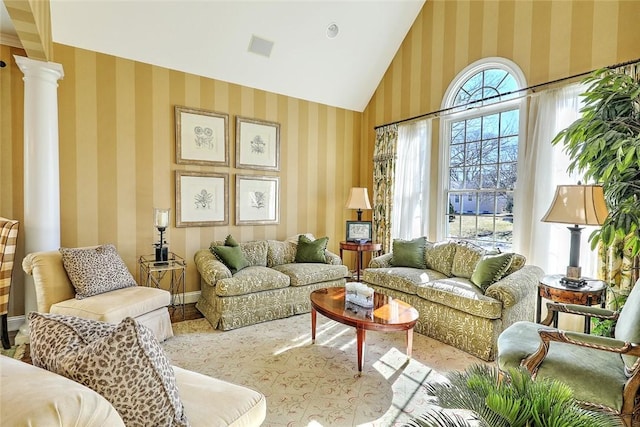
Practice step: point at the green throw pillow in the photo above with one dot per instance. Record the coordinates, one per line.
(409, 253)
(490, 269)
(230, 241)
(311, 250)
(232, 257)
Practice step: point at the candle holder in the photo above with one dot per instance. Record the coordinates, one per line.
(161, 221)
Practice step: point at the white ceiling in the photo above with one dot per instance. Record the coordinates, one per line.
(211, 38)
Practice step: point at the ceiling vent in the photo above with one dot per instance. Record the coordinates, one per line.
(260, 46)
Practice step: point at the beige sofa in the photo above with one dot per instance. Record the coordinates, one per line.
(55, 294)
(32, 396)
(273, 286)
(452, 308)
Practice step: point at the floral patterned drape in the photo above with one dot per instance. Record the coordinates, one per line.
(384, 162)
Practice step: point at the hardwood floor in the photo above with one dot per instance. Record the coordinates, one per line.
(190, 313)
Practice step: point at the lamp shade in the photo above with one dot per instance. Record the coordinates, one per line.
(578, 204)
(358, 199)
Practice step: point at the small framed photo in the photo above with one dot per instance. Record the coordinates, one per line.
(257, 200)
(202, 137)
(359, 231)
(257, 144)
(202, 199)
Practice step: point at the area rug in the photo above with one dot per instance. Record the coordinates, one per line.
(16, 351)
(318, 384)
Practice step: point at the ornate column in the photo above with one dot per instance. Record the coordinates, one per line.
(41, 225)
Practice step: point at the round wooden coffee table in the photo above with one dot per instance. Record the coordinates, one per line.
(387, 314)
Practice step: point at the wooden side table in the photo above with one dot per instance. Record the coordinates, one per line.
(550, 287)
(360, 248)
(152, 273)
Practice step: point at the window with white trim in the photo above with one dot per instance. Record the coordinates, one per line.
(481, 139)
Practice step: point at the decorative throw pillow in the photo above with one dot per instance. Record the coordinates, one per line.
(279, 253)
(490, 269)
(517, 262)
(311, 250)
(54, 335)
(129, 368)
(465, 259)
(232, 257)
(439, 257)
(94, 271)
(230, 241)
(408, 253)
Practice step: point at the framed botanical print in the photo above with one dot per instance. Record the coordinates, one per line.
(257, 200)
(202, 199)
(202, 137)
(257, 144)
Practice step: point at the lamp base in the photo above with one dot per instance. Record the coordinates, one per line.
(573, 283)
(162, 255)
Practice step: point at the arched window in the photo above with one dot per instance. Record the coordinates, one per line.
(480, 145)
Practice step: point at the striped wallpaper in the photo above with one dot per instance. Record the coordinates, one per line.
(546, 39)
(117, 129)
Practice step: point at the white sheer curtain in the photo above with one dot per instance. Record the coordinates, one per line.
(410, 217)
(541, 168)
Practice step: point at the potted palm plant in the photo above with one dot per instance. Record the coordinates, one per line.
(513, 399)
(604, 146)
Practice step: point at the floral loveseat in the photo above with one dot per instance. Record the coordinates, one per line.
(465, 296)
(272, 285)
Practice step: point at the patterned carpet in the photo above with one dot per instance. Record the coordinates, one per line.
(318, 384)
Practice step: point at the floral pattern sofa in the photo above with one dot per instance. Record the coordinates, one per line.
(452, 308)
(273, 286)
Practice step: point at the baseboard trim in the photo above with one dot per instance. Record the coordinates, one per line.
(14, 322)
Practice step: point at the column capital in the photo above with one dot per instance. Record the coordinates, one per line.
(33, 67)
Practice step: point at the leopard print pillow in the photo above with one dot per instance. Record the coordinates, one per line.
(53, 335)
(129, 368)
(94, 271)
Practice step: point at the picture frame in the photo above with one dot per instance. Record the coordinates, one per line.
(202, 137)
(202, 199)
(359, 231)
(257, 144)
(257, 200)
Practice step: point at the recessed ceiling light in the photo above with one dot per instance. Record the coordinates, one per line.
(260, 46)
(332, 30)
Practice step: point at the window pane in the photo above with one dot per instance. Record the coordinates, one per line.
(468, 226)
(472, 177)
(490, 126)
(489, 176)
(456, 178)
(509, 149)
(507, 175)
(456, 155)
(509, 123)
(457, 132)
(472, 155)
(490, 151)
(473, 129)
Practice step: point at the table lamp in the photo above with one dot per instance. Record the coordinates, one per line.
(358, 199)
(577, 205)
(161, 222)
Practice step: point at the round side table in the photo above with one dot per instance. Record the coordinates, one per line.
(360, 248)
(551, 288)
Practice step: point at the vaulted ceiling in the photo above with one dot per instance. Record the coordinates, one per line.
(212, 38)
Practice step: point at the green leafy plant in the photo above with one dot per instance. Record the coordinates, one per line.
(508, 400)
(604, 145)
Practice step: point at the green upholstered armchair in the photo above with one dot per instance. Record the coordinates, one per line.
(603, 372)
